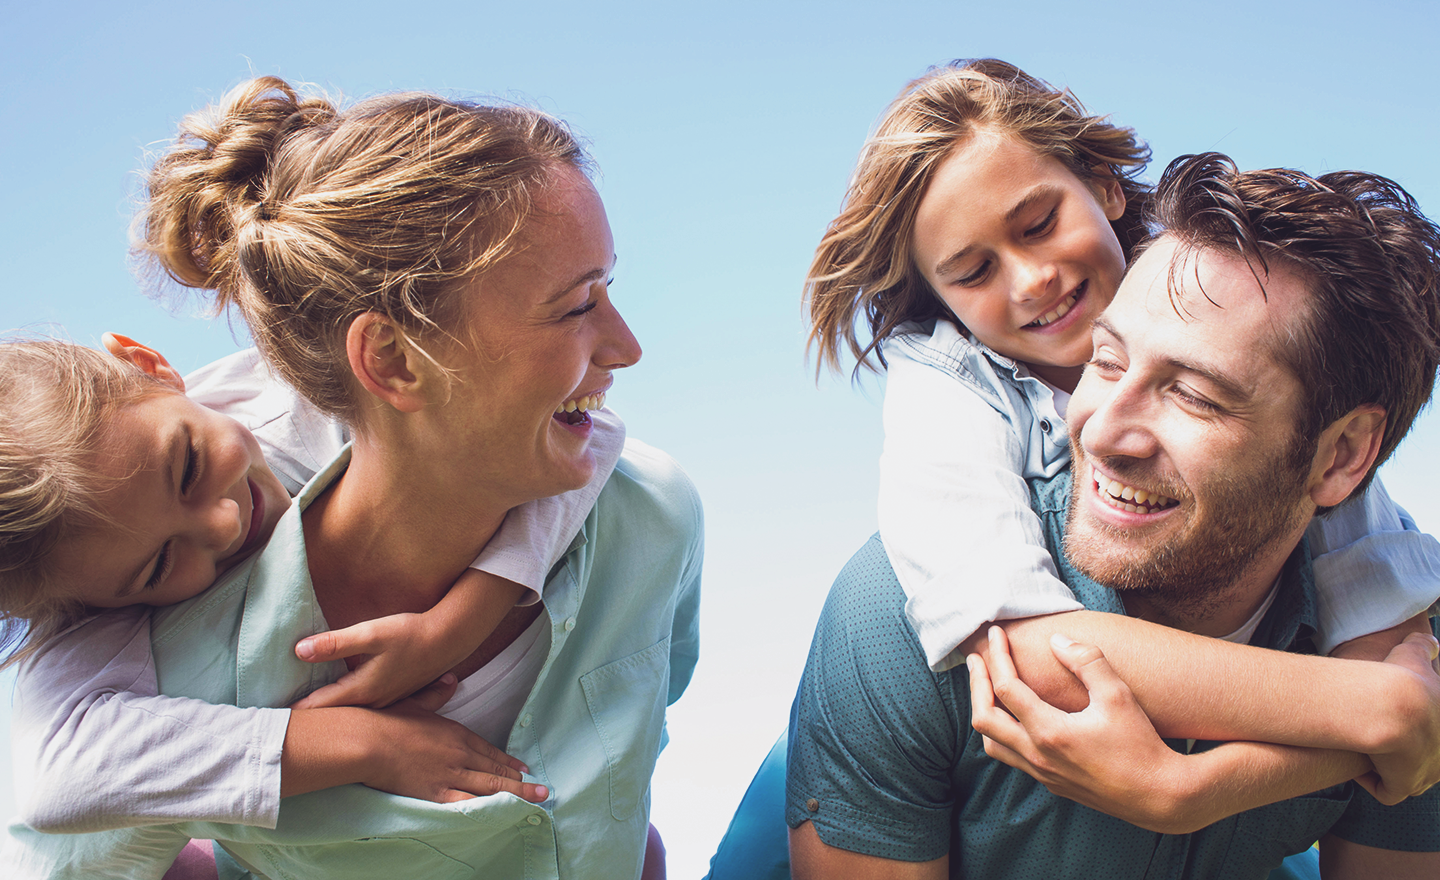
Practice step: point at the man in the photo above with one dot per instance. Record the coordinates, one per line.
(1262, 357)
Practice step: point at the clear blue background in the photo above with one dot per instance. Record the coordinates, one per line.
(725, 134)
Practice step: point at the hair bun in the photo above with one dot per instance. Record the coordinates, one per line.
(212, 182)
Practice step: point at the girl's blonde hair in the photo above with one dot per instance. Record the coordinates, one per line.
(303, 216)
(58, 399)
(864, 267)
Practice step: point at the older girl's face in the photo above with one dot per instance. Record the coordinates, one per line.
(1021, 250)
(546, 341)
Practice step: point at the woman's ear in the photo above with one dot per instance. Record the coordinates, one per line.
(1108, 193)
(1345, 453)
(385, 362)
(143, 356)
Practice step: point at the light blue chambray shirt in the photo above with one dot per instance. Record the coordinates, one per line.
(622, 644)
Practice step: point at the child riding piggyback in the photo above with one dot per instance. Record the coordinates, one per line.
(989, 222)
(118, 492)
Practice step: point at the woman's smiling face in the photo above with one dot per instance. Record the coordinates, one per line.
(1021, 250)
(542, 339)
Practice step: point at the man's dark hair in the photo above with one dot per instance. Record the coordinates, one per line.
(1371, 261)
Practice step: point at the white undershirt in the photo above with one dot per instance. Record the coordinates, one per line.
(488, 701)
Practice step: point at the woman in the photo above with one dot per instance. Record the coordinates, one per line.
(435, 275)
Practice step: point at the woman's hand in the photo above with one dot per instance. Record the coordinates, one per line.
(1106, 756)
(419, 754)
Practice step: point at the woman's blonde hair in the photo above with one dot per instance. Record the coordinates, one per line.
(303, 216)
(58, 399)
(864, 266)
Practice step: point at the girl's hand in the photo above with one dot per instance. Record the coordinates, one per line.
(393, 657)
(416, 753)
(1407, 756)
(1106, 756)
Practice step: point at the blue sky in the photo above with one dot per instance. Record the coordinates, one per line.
(725, 134)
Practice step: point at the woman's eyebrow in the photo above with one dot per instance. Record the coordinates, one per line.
(583, 278)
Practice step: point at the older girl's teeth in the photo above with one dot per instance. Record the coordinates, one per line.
(1058, 313)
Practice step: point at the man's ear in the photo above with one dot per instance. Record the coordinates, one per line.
(385, 362)
(143, 356)
(1345, 453)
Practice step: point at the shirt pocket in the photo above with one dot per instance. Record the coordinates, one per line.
(627, 703)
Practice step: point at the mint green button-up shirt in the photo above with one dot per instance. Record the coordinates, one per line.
(623, 637)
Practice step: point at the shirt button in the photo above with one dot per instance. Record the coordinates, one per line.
(533, 820)
(569, 624)
(525, 722)
(812, 805)
(1045, 425)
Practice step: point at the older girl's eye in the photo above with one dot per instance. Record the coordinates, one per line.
(975, 277)
(589, 306)
(1044, 225)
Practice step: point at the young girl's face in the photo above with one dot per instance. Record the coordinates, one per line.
(191, 494)
(1021, 250)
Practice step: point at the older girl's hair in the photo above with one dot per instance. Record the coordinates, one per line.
(303, 216)
(57, 401)
(864, 265)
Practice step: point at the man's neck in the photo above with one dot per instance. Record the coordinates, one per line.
(1216, 614)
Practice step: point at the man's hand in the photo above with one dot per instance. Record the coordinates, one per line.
(1106, 756)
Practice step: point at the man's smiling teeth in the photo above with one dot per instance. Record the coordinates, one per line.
(1128, 498)
(1058, 312)
(582, 404)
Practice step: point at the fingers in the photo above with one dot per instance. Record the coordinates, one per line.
(437, 693)
(1016, 695)
(1088, 664)
(484, 785)
(988, 719)
(337, 644)
(352, 689)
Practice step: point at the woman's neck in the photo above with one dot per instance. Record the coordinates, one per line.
(388, 539)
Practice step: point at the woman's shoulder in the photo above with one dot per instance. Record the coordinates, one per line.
(646, 478)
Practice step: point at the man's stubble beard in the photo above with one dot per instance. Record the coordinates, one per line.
(1195, 571)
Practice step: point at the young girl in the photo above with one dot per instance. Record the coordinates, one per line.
(988, 223)
(95, 746)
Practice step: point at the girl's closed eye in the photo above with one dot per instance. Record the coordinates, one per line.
(1044, 226)
(163, 563)
(191, 473)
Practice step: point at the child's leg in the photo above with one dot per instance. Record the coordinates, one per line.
(654, 865)
(195, 862)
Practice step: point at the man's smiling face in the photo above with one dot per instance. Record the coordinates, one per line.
(1190, 488)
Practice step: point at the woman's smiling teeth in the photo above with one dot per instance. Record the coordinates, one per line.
(575, 410)
(1128, 498)
(1061, 310)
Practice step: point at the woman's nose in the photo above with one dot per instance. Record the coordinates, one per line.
(618, 346)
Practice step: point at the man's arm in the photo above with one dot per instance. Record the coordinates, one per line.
(1342, 860)
(812, 859)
